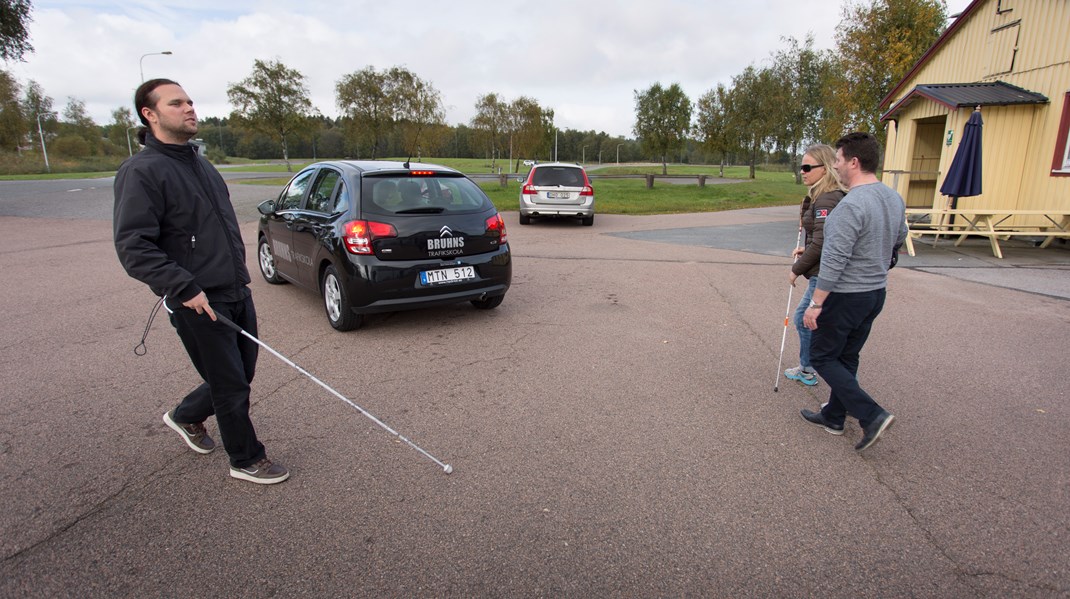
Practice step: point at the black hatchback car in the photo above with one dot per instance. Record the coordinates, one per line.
(376, 236)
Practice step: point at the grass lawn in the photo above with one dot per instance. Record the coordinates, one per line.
(54, 176)
(631, 196)
(613, 196)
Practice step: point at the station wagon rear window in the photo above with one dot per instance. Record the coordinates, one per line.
(552, 176)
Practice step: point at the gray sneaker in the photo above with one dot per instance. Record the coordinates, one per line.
(263, 472)
(194, 435)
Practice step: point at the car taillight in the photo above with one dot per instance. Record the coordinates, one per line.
(496, 225)
(529, 189)
(359, 235)
(588, 189)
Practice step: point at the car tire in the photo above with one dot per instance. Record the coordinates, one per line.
(525, 219)
(268, 268)
(336, 302)
(588, 221)
(489, 303)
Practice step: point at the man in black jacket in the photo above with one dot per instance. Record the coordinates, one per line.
(176, 231)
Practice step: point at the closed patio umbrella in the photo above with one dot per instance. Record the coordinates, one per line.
(964, 177)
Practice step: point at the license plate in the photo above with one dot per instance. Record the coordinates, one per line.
(448, 275)
(558, 195)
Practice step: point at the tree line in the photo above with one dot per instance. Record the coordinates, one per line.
(771, 111)
(800, 95)
(389, 112)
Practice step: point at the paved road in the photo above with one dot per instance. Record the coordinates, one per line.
(612, 427)
(91, 199)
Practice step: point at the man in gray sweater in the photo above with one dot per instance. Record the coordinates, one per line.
(861, 235)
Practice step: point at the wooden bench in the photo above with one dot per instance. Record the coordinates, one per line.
(985, 222)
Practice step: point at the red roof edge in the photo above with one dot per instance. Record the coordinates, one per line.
(962, 18)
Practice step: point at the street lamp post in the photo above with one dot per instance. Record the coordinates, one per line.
(41, 134)
(141, 65)
(129, 146)
(618, 153)
(583, 153)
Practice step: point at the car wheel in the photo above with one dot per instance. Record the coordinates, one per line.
(588, 221)
(525, 219)
(267, 263)
(489, 303)
(336, 302)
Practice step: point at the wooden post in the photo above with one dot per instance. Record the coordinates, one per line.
(650, 181)
(702, 181)
(503, 180)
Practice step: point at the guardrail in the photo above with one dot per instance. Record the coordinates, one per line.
(504, 179)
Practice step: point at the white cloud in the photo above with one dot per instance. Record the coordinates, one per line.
(583, 59)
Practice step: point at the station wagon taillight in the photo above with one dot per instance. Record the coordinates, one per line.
(496, 225)
(359, 235)
(529, 189)
(588, 189)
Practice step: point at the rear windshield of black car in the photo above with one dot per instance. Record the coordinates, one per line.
(563, 176)
(439, 194)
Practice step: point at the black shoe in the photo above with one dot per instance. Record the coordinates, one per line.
(818, 419)
(875, 430)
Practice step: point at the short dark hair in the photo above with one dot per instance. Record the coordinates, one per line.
(864, 147)
(145, 97)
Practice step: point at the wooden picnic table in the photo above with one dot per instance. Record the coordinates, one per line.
(986, 222)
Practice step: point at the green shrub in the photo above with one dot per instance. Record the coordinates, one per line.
(69, 145)
(217, 155)
(32, 163)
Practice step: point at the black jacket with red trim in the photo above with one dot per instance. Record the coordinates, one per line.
(813, 215)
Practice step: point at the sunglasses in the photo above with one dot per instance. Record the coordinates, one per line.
(809, 167)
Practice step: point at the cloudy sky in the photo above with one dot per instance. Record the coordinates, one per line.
(582, 58)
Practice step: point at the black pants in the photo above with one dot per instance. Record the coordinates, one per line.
(226, 360)
(842, 329)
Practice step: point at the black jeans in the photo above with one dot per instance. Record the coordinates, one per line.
(842, 329)
(226, 360)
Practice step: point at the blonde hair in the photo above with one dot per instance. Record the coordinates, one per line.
(829, 181)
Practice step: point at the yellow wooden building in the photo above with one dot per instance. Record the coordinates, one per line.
(1011, 58)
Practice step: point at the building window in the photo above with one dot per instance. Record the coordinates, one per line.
(1060, 163)
(1066, 156)
(1001, 48)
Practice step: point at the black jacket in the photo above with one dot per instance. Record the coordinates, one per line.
(813, 215)
(175, 228)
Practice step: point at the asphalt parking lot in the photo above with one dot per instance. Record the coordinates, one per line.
(612, 427)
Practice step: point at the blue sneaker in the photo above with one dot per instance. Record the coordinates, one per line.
(803, 376)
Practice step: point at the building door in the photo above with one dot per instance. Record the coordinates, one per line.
(925, 162)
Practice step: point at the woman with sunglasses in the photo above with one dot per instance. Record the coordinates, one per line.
(825, 191)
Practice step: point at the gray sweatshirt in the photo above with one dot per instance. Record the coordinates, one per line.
(859, 236)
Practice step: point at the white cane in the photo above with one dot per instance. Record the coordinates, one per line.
(787, 318)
